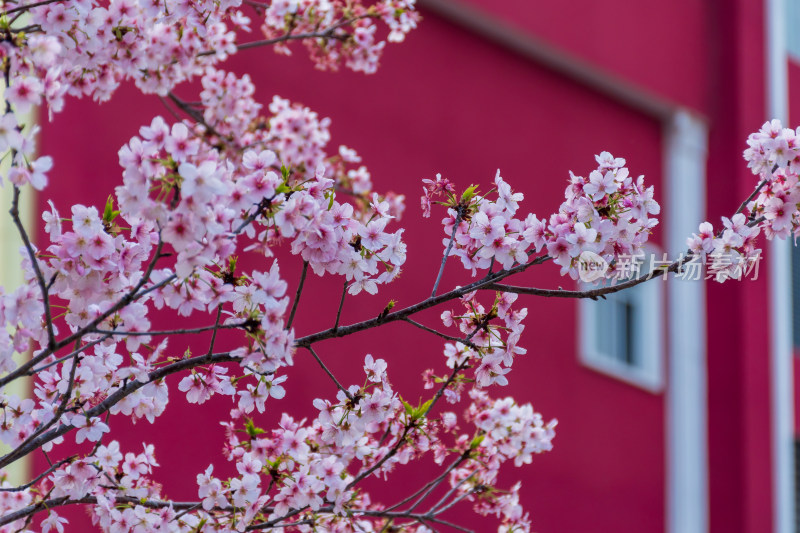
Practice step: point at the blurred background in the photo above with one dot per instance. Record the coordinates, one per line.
(675, 400)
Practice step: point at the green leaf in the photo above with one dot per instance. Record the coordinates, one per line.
(424, 407)
(476, 441)
(407, 407)
(469, 193)
(252, 429)
(108, 212)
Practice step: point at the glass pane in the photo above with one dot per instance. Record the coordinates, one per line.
(796, 296)
(792, 23)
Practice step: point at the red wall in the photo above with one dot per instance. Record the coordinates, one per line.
(738, 325)
(666, 48)
(447, 102)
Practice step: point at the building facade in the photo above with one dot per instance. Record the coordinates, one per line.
(675, 401)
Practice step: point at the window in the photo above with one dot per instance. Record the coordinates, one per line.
(623, 335)
(796, 298)
(792, 22)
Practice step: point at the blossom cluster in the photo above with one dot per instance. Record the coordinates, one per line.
(88, 48)
(609, 214)
(482, 231)
(227, 187)
(773, 146)
(359, 48)
(506, 431)
(490, 341)
(730, 251)
(773, 154)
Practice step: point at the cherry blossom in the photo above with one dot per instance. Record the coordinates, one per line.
(231, 181)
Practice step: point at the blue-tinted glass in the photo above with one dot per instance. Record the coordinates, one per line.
(793, 28)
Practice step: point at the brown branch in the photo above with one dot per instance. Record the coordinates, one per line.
(297, 295)
(423, 327)
(187, 331)
(43, 286)
(401, 314)
(31, 6)
(330, 374)
(407, 430)
(341, 305)
(131, 296)
(327, 33)
(115, 397)
(50, 470)
(447, 252)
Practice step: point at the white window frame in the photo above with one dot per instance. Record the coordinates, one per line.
(648, 298)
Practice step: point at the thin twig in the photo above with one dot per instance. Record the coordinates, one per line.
(78, 350)
(752, 195)
(463, 457)
(40, 476)
(199, 118)
(214, 334)
(449, 493)
(447, 253)
(430, 486)
(31, 6)
(51, 339)
(341, 304)
(297, 296)
(465, 342)
(186, 331)
(455, 501)
(330, 374)
(169, 108)
(344, 331)
(327, 33)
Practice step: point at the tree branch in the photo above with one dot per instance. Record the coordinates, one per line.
(330, 374)
(43, 287)
(27, 7)
(421, 306)
(447, 252)
(341, 305)
(297, 295)
(112, 399)
(465, 342)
